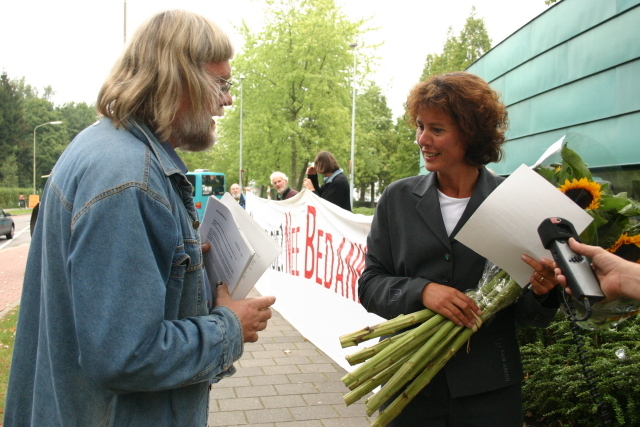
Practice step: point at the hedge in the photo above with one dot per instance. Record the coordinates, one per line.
(9, 197)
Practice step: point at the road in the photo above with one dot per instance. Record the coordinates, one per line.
(22, 235)
(13, 259)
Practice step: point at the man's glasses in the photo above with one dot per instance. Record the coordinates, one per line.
(225, 86)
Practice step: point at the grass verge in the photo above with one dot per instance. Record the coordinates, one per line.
(7, 336)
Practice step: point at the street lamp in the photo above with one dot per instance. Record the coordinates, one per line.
(353, 123)
(34, 151)
(241, 114)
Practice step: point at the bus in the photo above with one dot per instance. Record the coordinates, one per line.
(206, 184)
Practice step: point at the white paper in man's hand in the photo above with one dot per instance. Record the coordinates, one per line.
(505, 226)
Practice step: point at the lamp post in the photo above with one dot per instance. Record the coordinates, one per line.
(124, 26)
(241, 117)
(34, 151)
(353, 124)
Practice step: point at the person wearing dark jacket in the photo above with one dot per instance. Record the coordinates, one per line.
(414, 261)
(336, 184)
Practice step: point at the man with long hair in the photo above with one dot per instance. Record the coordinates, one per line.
(118, 325)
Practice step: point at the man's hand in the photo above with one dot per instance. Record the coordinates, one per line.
(252, 312)
(617, 276)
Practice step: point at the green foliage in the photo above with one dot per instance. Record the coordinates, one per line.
(13, 126)
(21, 111)
(76, 117)
(9, 172)
(295, 92)
(364, 211)
(555, 390)
(9, 196)
(406, 161)
(377, 144)
(461, 51)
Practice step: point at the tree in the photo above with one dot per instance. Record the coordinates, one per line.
(13, 127)
(405, 160)
(461, 51)
(297, 74)
(9, 172)
(375, 140)
(76, 117)
(50, 140)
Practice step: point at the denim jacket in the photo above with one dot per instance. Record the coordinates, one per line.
(114, 327)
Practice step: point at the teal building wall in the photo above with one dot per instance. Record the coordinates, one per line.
(574, 68)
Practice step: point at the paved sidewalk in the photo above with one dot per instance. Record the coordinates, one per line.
(283, 380)
(13, 261)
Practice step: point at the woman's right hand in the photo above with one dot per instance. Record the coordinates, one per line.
(451, 303)
(306, 183)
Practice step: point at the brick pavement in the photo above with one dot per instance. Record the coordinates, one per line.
(12, 264)
(283, 380)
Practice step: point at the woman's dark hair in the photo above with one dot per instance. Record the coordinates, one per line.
(325, 163)
(474, 107)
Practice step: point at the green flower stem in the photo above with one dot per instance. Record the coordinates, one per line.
(394, 409)
(388, 356)
(373, 382)
(368, 352)
(362, 355)
(388, 327)
(415, 365)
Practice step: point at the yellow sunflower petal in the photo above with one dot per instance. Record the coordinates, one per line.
(593, 188)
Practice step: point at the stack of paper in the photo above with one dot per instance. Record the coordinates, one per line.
(241, 251)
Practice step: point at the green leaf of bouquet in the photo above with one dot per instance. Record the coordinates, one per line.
(547, 173)
(609, 233)
(590, 234)
(621, 204)
(574, 161)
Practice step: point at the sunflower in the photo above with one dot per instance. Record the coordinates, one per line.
(627, 247)
(585, 193)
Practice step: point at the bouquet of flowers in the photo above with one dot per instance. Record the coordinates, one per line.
(412, 358)
(409, 360)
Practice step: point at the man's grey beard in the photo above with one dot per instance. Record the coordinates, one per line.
(195, 133)
(236, 196)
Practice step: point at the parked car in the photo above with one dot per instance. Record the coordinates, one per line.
(7, 227)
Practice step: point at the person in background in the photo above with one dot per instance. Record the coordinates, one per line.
(281, 183)
(114, 326)
(618, 277)
(236, 192)
(336, 185)
(21, 201)
(414, 261)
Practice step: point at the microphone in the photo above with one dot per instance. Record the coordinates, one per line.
(554, 234)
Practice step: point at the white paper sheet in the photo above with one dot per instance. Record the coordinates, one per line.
(505, 226)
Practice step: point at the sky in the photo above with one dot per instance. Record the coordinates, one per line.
(71, 45)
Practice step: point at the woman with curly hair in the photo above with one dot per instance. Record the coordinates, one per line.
(413, 260)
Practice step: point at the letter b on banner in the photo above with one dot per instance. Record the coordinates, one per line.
(309, 251)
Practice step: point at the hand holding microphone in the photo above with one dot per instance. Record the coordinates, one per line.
(580, 278)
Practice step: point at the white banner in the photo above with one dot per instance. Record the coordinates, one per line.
(315, 278)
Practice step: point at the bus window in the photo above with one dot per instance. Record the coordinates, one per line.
(214, 185)
(205, 184)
